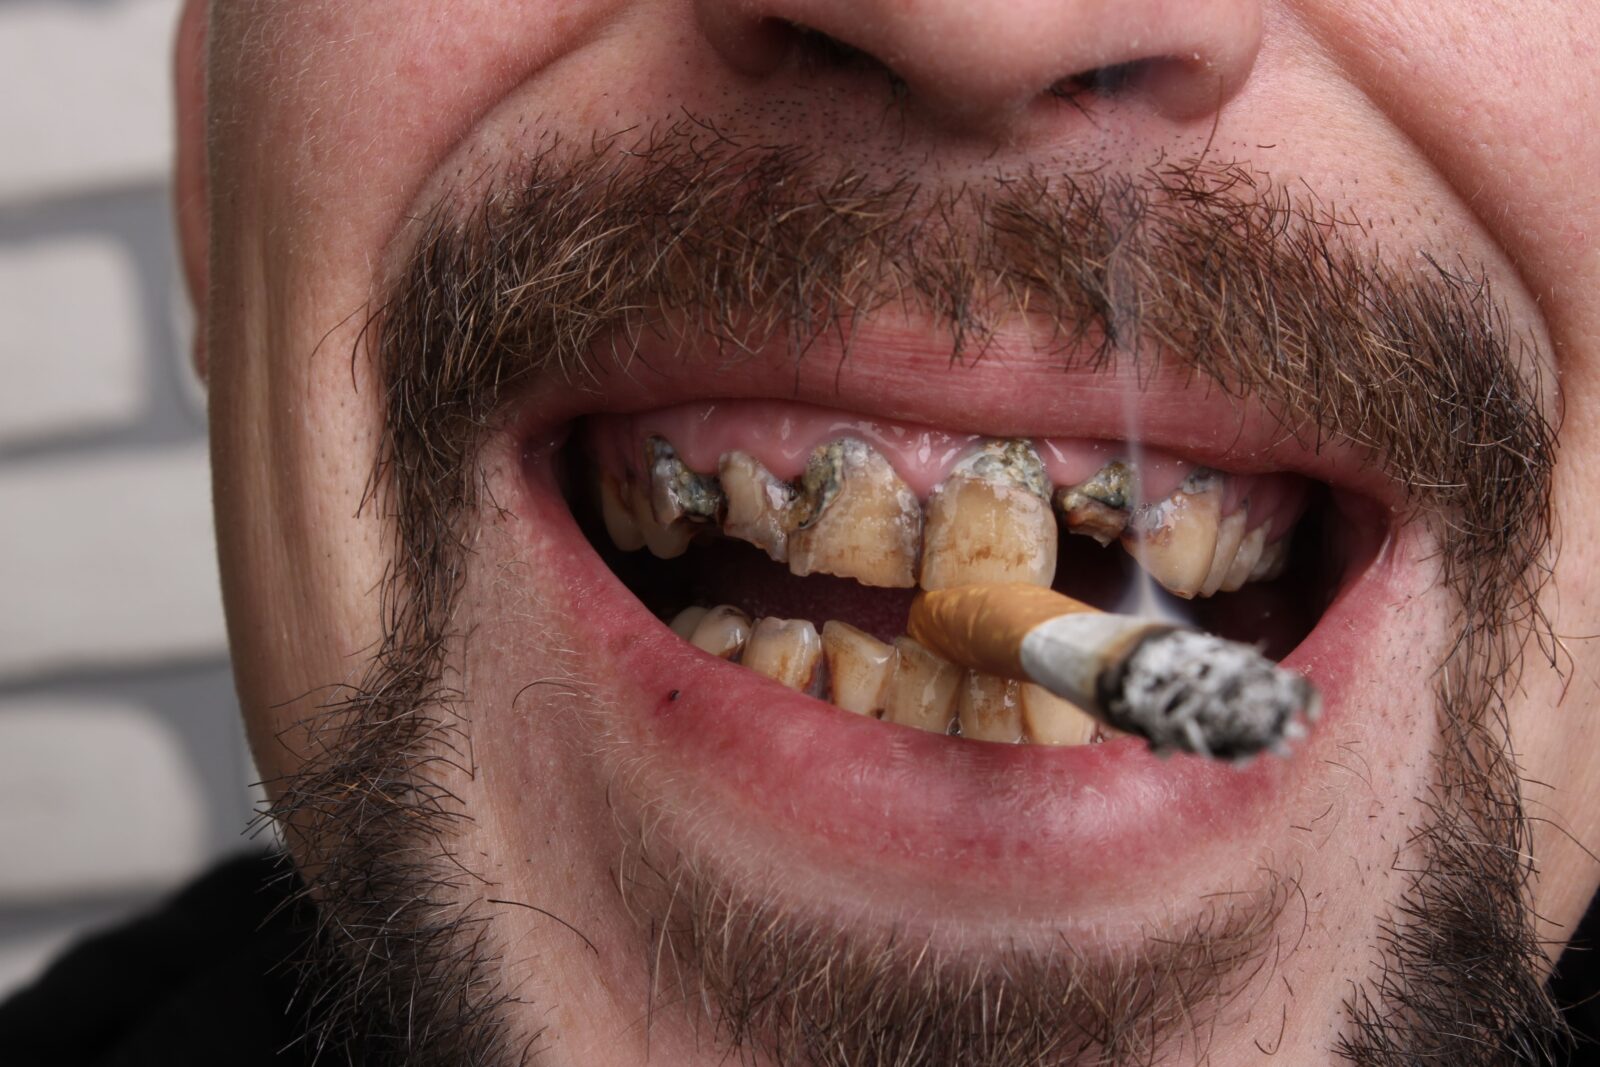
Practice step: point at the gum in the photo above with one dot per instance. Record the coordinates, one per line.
(782, 435)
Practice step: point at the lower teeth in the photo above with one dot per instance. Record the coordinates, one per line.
(902, 682)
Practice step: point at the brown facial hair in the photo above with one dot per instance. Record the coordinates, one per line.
(1202, 265)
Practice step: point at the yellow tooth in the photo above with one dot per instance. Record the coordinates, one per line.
(921, 690)
(990, 708)
(858, 667)
(618, 516)
(723, 632)
(664, 540)
(1175, 540)
(685, 621)
(865, 522)
(1244, 560)
(1049, 720)
(1230, 534)
(785, 650)
(991, 521)
(1274, 558)
(757, 504)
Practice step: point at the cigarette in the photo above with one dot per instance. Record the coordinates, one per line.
(1178, 688)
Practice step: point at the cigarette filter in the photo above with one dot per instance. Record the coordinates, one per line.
(1177, 688)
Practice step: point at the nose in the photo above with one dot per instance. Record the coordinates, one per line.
(981, 63)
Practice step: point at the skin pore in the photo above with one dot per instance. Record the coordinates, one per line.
(454, 747)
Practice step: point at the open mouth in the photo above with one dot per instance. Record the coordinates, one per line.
(790, 540)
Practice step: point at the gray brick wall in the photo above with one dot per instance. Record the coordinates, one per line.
(122, 765)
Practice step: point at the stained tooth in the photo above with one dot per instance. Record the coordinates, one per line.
(664, 540)
(921, 690)
(618, 516)
(723, 632)
(785, 650)
(676, 492)
(1099, 507)
(858, 667)
(1049, 720)
(990, 521)
(757, 504)
(990, 708)
(1175, 539)
(685, 621)
(1244, 561)
(1230, 534)
(855, 518)
(1274, 557)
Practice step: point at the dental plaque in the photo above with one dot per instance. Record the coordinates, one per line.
(1049, 591)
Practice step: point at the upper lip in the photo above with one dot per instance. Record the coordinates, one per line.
(893, 372)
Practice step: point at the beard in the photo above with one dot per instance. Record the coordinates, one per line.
(547, 272)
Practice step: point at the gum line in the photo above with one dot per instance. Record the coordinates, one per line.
(781, 435)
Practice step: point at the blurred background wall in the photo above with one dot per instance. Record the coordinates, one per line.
(122, 765)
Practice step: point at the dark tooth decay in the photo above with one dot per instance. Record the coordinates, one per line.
(995, 518)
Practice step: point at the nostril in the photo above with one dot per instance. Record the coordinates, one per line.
(1108, 81)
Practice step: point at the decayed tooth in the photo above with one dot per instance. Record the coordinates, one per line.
(618, 516)
(665, 540)
(1274, 558)
(858, 667)
(757, 504)
(785, 650)
(676, 492)
(685, 621)
(1244, 561)
(990, 708)
(1176, 538)
(921, 690)
(1050, 720)
(990, 521)
(1099, 507)
(1230, 534)
(722, 631)
(855, 518)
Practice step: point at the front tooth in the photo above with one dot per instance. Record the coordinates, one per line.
(785, 650)
(618, 516)
(1229, 536)
(757, 504)
(1244, 561)
(1175, 539)
(685, 621)
(1099, 507)
(990, 708)
(990, 521)
(676, 492)
(855, 518)
(858, 667)
(1050, 720)
(1274, 558)
(921, 690)
(722, 631)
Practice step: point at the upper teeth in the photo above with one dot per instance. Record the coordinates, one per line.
(990, 521)
(851, 514)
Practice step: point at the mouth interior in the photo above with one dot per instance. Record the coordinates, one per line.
(1334, 537)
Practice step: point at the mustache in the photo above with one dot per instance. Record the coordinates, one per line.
(557, 263)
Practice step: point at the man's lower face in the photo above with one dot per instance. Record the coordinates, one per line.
(652, 769)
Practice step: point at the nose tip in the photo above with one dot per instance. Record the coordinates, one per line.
(981, 63)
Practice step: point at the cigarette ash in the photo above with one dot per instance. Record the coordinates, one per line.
(1195, 692)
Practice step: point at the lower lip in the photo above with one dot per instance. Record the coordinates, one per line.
(1089, 822)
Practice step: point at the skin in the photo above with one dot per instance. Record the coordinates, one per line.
(311, 131)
